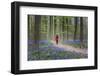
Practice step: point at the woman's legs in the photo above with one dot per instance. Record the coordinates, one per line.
(56, 41)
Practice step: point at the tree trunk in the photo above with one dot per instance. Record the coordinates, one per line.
(53, 28)
(37, 31)
(81, 32)
(63, 29)
(48, 27)
(76, 23)
(67, 27)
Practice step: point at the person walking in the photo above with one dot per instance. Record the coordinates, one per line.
(56, 39)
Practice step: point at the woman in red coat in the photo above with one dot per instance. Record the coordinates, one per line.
(56, 39)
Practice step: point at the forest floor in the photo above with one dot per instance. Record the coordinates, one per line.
(52, 51)
(70, 48)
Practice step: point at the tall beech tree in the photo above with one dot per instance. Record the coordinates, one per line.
(37, 31)
(76, 23)
(81, 32)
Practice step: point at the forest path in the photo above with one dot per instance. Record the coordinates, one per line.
(70, 48)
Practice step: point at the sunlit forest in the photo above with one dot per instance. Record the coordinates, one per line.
(57, 37)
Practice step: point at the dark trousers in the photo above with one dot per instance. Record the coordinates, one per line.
(56, 41)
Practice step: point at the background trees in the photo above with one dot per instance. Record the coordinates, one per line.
(69, 28)
(72, 32)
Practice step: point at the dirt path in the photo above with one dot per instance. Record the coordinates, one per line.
(70, 48)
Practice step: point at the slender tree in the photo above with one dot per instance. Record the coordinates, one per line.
(76, 23)
(67, 27)
(29, 27)
(37, 31)
(81, 32)
(62, 28)
(53, 28)
(48, 27)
